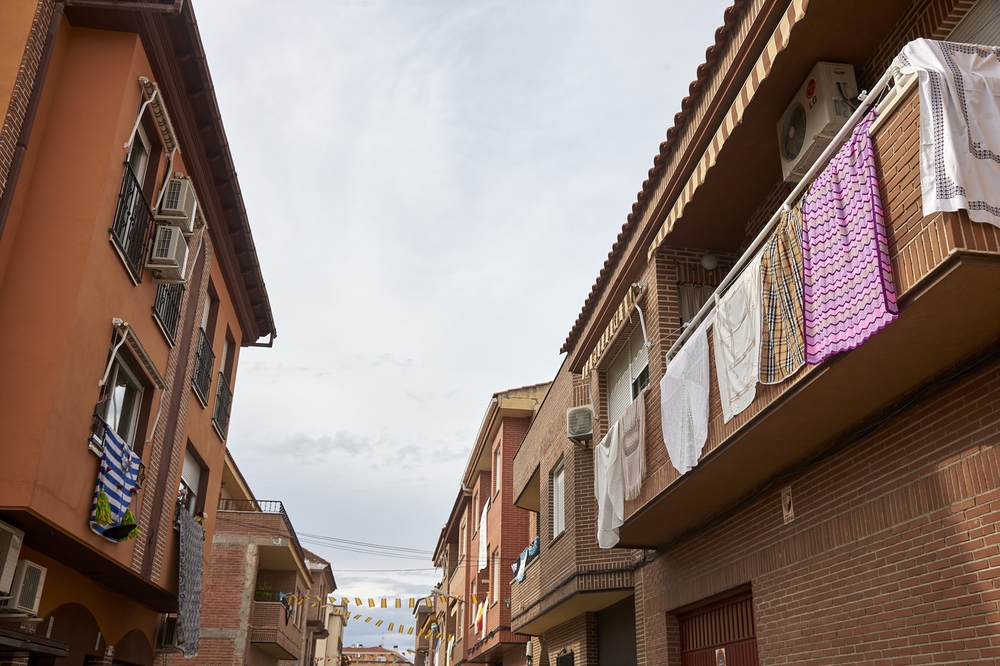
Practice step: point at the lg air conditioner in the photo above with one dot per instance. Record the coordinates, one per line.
(10, 548)
(169, 636)
(169, 254)
(818, 111)
(580, 423)
(179, 205)
(26, 590)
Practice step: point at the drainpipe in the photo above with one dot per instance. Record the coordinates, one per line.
(29, 116)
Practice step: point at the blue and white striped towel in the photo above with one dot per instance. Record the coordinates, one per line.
(117, 477)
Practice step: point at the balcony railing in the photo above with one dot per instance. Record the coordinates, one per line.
(272, 631)
(261, 506)
(130, 229)
(167, 308)
(223, 402)
(204, 359)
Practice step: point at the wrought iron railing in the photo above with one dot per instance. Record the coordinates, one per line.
(204, 359)
(133, 217)
(167, 308)
(223, 401)
(261, 506)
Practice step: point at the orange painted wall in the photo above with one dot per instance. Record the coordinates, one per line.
(15, 24)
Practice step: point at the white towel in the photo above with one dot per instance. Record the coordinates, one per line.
(632, 435)
(737, 340)
(608, 489)
(484, 545)
(684, 400)
(959, 126)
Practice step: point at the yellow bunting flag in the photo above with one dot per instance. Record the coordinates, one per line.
(410, 632)
(368, 619)
(474, 600)
(412, 602)
(358, 600)
(379, 623)
(345, 601)
(384, 604)
(391, 625)
(400, 628)
(358, 616)
(444, 599)
(371, 603)
(399, 603)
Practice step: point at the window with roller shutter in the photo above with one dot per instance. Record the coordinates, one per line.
(627, 374)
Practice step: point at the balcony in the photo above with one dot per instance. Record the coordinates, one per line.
(266, 518)
(167, 309)
(272, 631)
(947, 280)
(204, 359)
(130, 229)
(223, 403)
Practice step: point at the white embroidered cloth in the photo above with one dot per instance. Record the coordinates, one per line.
(484, 544)
(684, 400)
(608, 489)
(959, 126)
(632, 436)
(737, 340)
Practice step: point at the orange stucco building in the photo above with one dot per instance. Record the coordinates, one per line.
(113, 160)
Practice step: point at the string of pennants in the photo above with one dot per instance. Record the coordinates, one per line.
(411, 602)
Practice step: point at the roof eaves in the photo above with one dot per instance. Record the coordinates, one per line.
(656, 172)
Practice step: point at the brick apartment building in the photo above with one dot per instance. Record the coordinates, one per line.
(472, 603)
(262, 587)
(375, 655)
(128, 284)
(844, 513)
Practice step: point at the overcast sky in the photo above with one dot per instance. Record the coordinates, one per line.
(433, 187)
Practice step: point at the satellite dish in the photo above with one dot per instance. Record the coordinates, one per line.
(793, 134)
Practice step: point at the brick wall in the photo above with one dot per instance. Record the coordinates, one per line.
(894, 552)
(23, 85)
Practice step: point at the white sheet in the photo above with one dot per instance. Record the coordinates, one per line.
(608, 489)
(632, 436)
(959, 126)
(484, 544)
(737, 340)
(684, 400)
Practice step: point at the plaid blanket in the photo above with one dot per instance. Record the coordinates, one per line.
(782, 345)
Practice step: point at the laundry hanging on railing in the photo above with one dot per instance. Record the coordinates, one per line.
(959, 129)
(483, 539)
(847, 278)
(737, 341)
(521, 563)
(608, 489)
(190, 570)
(782, 345)
(632, 433)
(110, 515)
(684, 400)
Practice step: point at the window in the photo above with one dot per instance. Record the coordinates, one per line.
(692, 297)
(122, 401)
(627, 375)
(224, 392)
(189, 494)
(558, 500)
(133, 217)
(497, 467)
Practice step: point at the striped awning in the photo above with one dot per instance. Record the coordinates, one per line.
(779, 42)
(621, 316)
(159, 111)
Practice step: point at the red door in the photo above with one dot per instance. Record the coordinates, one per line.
(720, 635)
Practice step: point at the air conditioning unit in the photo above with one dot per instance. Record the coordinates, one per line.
(10, 548)
(26, 590)
(169, 254)
(821, 107)
(179, 204)
(169, 635)
(580, 423)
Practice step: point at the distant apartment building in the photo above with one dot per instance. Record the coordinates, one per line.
(375, 655)
(129, 283)
(485, 535)
(812, 481)
(330, 648)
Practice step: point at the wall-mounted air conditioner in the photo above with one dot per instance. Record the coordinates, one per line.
(169, 635)
(168, 257)
(580, 423)
(26, 590)
(820, 108)
(10, 548)
(179, 204)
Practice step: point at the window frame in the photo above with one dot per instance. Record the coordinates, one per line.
(558, 500)
(638, 377)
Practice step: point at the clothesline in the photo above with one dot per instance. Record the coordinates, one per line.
(758, 242)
